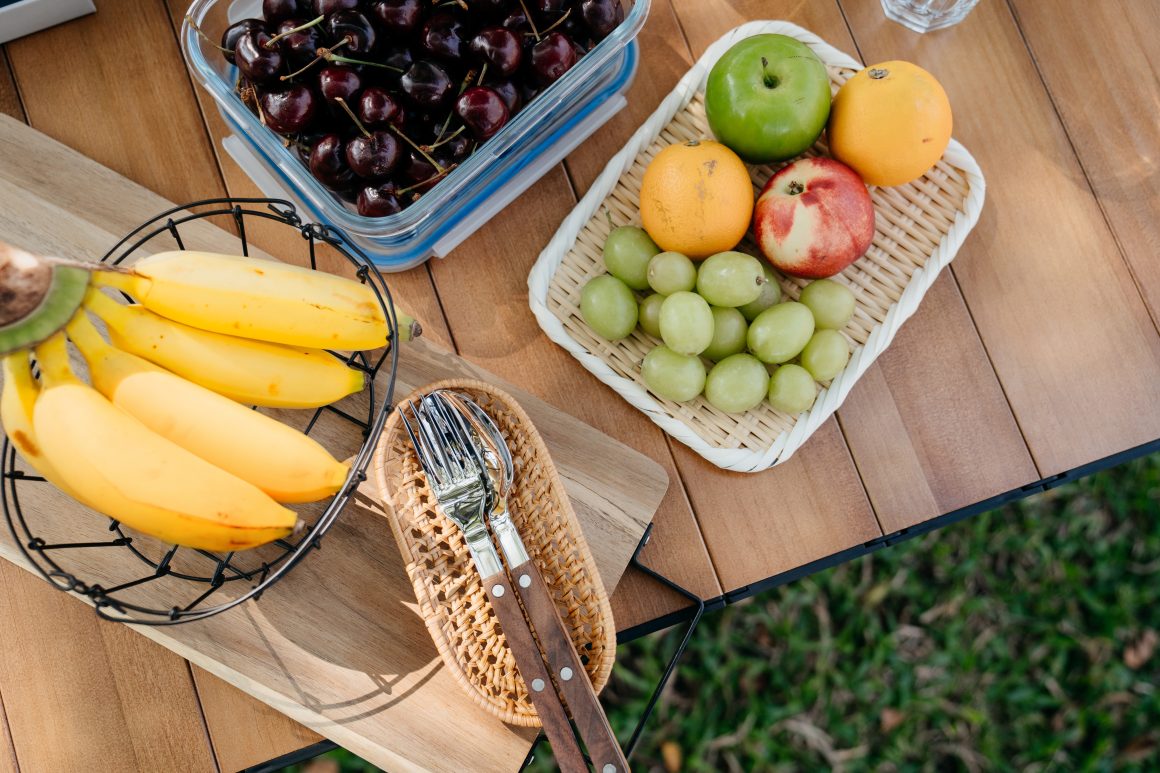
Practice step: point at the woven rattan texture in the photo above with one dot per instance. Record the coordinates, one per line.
(911, 220)
(451, 596)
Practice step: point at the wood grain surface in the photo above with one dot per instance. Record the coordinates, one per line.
(1101, 75)
(1038, 352)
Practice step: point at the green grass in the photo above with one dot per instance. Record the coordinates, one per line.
(1020, 639)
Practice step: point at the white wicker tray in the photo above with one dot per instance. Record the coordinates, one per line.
(920, 226)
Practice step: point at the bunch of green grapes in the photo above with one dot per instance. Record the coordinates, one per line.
(724, 330)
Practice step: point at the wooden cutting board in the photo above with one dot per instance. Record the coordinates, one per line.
(338, 644)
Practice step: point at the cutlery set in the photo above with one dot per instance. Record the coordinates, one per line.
(470, 470)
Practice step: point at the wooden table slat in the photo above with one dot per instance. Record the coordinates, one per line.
(9, 96)
(78, 690)
(1061, 318)
(1110, 107)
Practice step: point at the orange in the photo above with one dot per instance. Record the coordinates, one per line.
(891, 122)
(696, 198)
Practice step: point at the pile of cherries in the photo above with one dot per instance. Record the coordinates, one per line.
(383, 98)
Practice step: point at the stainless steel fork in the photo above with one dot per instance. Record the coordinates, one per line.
(458, 478)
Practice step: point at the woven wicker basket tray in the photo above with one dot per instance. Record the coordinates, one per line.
(451, 596)
(919, 228)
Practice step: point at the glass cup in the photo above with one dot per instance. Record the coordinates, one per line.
(927, 15)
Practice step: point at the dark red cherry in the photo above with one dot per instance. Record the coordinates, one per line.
(417, 169)
(339, 81)
(445, 36)
(275, 11)
(290, 109)
(257, 63)
(601, 16)
(398, 17)
(328, 163)
(427, 85)
(327, 7)
(500, 48)
(510, 95)
(552, 57)
(234, 33)
(355, 28)
(458, 147)
(379, 200)
(378, 107)
(516, 21)
(550, 7)
(482, 110)
(373, 157)
(298, 47)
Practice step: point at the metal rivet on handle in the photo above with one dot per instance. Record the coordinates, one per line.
(497, 591)
(565, 673)
(609, 768)
(538, 685)
(525, 581)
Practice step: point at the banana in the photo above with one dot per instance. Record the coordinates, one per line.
(253, 298)
(17, 402)
(279, 460)
(251, 372)
(128, 472)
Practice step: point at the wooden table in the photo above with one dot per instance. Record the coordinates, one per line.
(1036, 357)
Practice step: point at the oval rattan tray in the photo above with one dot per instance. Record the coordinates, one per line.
(451, 596)
(920, 226)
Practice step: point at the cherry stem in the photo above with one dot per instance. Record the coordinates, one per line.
(442, 173)
(351, 60)
(353, 117)
(444, 140)
(322, 53)
(287, 33)
(482, 74)
(189, 20)
(531, 21)
(467, 81)
(557, 23)
(418, 149)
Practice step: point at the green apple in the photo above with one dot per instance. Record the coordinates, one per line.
(768, 98)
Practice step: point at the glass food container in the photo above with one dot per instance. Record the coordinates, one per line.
(539, 136)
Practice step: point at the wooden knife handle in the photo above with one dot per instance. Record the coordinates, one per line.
(568, 670)
(535, 674)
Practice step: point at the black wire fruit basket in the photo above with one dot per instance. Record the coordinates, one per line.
(127, 575)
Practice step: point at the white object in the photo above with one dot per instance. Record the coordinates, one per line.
(24, 17)
(828, 400)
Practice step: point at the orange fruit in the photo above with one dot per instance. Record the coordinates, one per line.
(696, 198)
(891, 122)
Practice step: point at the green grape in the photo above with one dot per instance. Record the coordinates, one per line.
(770, 294)
(671, 272)
(677, 377)
(780, 332)
(831, 303)
(686, 323)
(826, 354)
(650, 314)
(737, 383)
(792, 389)
(729, 329)
(730, 279)
(609, 307)
(627, 252)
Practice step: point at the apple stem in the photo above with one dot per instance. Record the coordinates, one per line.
(770, 79)
(795, 188)
(301, 28)
(353, 117)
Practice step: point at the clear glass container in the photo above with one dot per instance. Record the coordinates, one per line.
(559, 118)
(927, 15)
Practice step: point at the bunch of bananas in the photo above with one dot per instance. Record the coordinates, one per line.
(163, 439)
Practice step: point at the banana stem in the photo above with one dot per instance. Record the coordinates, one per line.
(117, 280)
(103, 306)
(18, 369)
(55, 369)
(82, 332)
